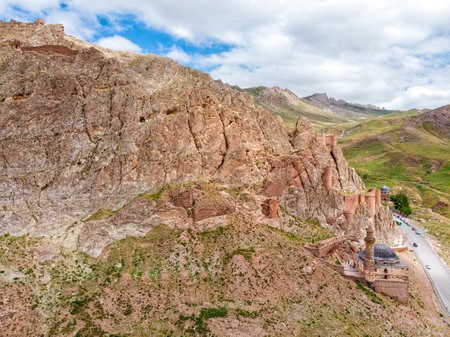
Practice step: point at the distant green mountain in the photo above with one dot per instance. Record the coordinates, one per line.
(325, 113)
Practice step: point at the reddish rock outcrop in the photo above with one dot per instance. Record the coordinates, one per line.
(302, 134)
(85, 128)
(270, 208)
(327, 178)
(184, 199)
(202, 213)
(273, 189)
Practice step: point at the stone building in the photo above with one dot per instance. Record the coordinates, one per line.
(385, 194)
(381, 269)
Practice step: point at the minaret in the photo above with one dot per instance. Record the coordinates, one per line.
(369, 262)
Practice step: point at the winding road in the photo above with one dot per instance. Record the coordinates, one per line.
(438, 273)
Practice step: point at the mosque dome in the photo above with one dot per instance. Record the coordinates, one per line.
(382, 253)
(385, 189)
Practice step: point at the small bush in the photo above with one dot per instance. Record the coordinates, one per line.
(401, 203)
(207, 313)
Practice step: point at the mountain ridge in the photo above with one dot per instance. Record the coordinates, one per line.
(318, 107)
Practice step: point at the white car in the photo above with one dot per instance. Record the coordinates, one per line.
(428, 266)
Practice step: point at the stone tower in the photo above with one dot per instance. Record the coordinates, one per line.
(369, 262)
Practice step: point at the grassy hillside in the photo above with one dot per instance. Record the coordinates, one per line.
(406, 156)
(246, 279)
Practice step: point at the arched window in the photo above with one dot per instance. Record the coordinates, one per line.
(385, 270)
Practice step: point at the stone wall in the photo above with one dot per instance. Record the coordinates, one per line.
(335, 267)
(377, 197)
(370, 201)
(328, 140)
(396, 289)
(391, 273)
(385, 196)
(351, 202)
(331, 140)
(324, 247)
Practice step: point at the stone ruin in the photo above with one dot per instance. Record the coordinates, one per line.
(372, 199)
(328, 140)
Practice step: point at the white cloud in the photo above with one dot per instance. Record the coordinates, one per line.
(178, 55)
(389, 53)
(118, 42)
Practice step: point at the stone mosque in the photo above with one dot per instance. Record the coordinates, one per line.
(381, 269)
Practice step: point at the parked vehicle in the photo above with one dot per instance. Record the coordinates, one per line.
(415, 244)
(428, 266)
(417, 233)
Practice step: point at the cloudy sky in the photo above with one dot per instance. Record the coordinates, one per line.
(391, 53)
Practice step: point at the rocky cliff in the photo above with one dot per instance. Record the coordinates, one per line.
(97, 145)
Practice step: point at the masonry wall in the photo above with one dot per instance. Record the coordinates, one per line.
(385, 196)
(336, 267)
(329, 140)
(351, 202)
(396, 289)
(378, 197)
(324, 247)
(391, 273)
(370, 201)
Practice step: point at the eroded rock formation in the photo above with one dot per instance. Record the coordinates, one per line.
(85, 128)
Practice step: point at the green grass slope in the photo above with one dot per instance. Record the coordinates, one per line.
(407, 156)
(245, 279)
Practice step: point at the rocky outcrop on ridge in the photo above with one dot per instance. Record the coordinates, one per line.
(88, 136)
(279, 96)
(439, 118)
(343, 108)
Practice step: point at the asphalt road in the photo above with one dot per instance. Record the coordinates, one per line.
(438, 273)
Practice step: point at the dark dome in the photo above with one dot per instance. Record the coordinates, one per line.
(382, 253)
(385, 189)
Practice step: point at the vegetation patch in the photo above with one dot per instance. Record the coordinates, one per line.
(101, 214)
(401, 203)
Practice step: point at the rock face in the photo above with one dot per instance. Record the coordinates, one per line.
(279, 96)
(84, 128)
(439, 119)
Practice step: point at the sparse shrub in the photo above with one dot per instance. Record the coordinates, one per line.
(246, 313)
